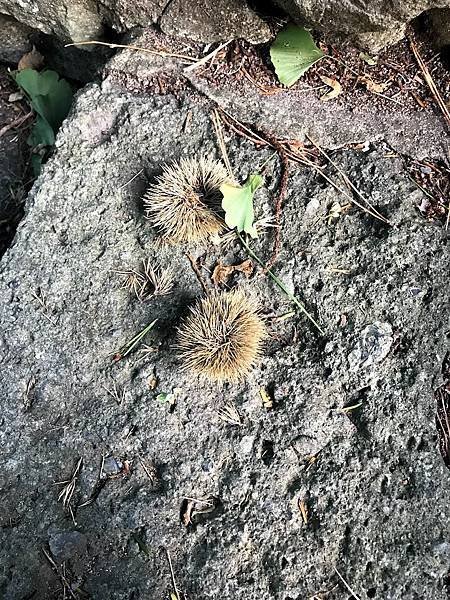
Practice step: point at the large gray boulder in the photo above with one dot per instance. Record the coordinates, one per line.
(14, 39)
(201, 20)
(373, 23)
(369, 481)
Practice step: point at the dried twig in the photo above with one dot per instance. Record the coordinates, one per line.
(372, 210)
(206, 58)
(67, 587)
(132, 179)
(347, 585)
(172, 575)
(40, 297)
(429, 80)
(66, 494)
(163, 53)
(253, 136)
(16, 123)
(118, 395)
(196, 270)
(220, 140)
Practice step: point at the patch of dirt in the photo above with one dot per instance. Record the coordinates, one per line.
(15, 119)
(396, 74)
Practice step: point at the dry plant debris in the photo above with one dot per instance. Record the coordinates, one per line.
(69, 589)
(303, 508)
(29, 394)
(229, 414)
(66, 494)
(442, 396)
(184, 204)
(191, 507)
(433, 179)
(430, 81)
(134, 342)
(149, 281)
(267, 399)
(222, 273)
(222, 337)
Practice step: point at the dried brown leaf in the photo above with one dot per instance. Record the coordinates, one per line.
(31, 60)
(375, 87)
(222, 272)
(335, 86)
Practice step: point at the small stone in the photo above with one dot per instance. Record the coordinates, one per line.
(15, 97)
(246, 444)
(373, 346)
(66, 544)
(112, 467)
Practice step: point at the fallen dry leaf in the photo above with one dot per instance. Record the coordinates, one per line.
(303, 508)
(373, 86)
(31, 60)
(267, 400)
(191, 507)
(370, 60)
(222, 272)
(335, 86)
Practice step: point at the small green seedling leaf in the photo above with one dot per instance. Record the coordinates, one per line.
(168, 398)
(292, 53)
(238, 204)
(370, 60)
(51, 98)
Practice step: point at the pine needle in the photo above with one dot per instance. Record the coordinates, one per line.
(163, 53)
(430, 81)
(131, 345)
(281, 285)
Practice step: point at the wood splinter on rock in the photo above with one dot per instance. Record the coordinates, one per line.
(223, 336)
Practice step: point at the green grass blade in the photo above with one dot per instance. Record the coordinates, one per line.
(282, 286)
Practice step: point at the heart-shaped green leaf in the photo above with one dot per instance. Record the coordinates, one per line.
(292, 53)
(50, 96)
(238, 204)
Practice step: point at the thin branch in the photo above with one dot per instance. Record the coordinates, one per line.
(372, 211)
(197, 272)
(163, 53)
(206, 58)
(347, 585)
(430, 81)
(16, 123)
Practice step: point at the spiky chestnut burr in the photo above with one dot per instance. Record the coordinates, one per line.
(222, 337)
(185, 202)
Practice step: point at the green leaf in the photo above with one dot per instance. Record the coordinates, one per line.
(292, 53)
(41, 134)
(370, 60)
(168, 398)
(36, 164)
(50, 96)
(238, 204)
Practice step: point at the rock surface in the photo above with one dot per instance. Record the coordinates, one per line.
(291, 114)
(14, 39)
(439, 20)
(78, 20)
(376, 23)
(376, 493)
